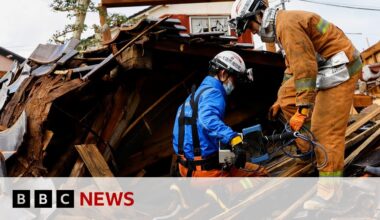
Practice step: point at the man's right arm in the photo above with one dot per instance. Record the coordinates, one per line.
(210, 115)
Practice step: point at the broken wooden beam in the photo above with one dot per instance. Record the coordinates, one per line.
(156, 103)
(47, 138)
(112, 57)
(362, 147)
(296, 205)
(362, 136)
(94, 160)
(360, 122)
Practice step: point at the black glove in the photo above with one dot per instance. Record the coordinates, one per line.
(240, 155)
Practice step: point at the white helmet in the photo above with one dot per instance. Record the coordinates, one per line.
(244, 10)
(232, 63)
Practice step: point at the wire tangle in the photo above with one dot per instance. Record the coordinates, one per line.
(306, 135)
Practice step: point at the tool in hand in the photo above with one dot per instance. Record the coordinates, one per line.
(258, 143)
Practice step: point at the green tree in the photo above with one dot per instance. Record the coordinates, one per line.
(77, 9)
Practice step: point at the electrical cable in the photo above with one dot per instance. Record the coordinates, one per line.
(310, 138)
(305, 135)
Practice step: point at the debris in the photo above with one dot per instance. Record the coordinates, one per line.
(94, 160)
(12, 137)
(49, 53)
(120, 99)
(363, 146)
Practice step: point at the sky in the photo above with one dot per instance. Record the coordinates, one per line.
(26, 23)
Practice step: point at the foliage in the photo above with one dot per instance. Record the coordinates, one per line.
(116, 19)
(74, 8)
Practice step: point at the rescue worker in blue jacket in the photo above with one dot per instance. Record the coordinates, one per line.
(199, 125)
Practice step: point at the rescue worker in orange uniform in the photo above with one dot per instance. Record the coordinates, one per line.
(199, 125)
(321, 74)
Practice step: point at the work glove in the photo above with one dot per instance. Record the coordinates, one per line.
(239, 151)
(299, 118)
(273, 111)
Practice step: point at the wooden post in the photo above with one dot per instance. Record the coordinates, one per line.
(104, 28)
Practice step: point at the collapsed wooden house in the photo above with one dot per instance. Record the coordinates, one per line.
(110, 112)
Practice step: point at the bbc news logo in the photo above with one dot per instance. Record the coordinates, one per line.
(65, 199)
(43, 198)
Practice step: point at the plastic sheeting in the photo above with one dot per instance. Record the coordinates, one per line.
(11, 138)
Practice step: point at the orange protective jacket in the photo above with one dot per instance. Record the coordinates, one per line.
(303, 34)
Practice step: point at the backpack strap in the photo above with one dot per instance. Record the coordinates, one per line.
(192, 121)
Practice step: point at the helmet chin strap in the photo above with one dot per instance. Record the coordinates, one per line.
(223, 81)
(256, 20)
(267, 30)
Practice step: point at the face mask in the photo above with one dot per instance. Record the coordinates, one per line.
(228, 87)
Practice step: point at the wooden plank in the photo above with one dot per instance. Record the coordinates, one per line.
(64, 88)
(370, 54)
(106, 32)
(112, 57)
(124, 105)
(94, 160)
(16, 102)
(362, 101)
(156, 103)
(127, 3)
(360, 122)
(250, 56)
(360, 137)
(47, 138)
(363, 146)
(364, 117)
(133, 100)
(261, 193)
(305, 169)
(98, 125)
(282, 163)
(296, 205)
(353, 111)
(78, 169)
(114, 112)
(297, 170)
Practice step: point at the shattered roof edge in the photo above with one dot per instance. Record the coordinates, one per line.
(7, 52)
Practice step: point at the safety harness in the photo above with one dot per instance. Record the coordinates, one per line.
(208, 163)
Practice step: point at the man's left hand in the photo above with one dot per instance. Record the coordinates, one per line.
(298, 119)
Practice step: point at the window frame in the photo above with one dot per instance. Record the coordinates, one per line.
(209, 17)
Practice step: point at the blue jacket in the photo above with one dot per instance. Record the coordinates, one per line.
(211, 128)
